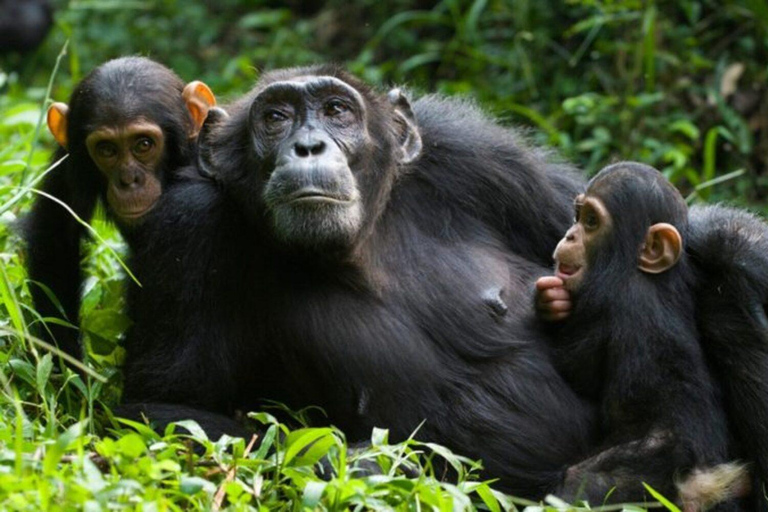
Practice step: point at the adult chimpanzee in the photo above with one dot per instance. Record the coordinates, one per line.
(130, 124)
(24, 24)
(367, 258)
(631, 342)
(731, 249)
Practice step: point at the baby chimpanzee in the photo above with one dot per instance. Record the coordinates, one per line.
(626, 338)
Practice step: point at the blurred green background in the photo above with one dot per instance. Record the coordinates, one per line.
(680, 85)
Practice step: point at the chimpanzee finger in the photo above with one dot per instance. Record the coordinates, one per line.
(552, 294)
(546, 282)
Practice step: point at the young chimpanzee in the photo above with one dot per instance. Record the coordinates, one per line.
(629, 342)
(130, 126)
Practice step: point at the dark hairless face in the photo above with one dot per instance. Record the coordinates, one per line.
(133, 118)
(307, 132)
(638, 235)
(591, 226)
(129, 156)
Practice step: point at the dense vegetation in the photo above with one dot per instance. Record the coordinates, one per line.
(678, 85)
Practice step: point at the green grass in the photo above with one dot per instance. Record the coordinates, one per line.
(598, 81)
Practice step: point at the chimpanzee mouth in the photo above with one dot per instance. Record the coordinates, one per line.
(316, 195)
(134, 213)
(565, 271)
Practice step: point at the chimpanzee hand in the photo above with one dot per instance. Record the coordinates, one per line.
(553, 301)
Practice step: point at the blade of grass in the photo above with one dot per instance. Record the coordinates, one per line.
(713, 182)
(24, 190)
(43, 112)
(92, 231)
(54, 350)
(11, 302)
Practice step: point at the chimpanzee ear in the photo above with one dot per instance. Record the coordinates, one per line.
(199, 99)
(205, 143)
(410, 139)
(662, 249)
(57, 122)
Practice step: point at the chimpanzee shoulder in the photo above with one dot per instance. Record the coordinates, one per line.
(495, 173)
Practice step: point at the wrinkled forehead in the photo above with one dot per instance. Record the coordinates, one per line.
(312, 85)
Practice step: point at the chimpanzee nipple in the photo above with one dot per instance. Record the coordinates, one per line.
(492, 299)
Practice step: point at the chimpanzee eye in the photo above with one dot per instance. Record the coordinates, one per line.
(274, 116)
(143, 145)
(335, 107)
(106, 149)
(590, 220)
(577, 211)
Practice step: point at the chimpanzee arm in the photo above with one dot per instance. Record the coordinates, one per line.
(53, 238)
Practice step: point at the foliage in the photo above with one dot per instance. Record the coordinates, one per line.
(136, 468)
(678, 85)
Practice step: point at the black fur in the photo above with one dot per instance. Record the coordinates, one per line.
(730, 248)
(424, 318)
(631, 345)
(24, 24)
(116, 92)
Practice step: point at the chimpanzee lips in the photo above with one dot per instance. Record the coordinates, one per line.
(135, 213)
(565, 271)
(316, 195)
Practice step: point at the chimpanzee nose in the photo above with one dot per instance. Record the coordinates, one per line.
(131, 178)
(309, 147)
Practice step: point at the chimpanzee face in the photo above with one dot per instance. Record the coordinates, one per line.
(127, 142)
(621, 241)
(592, 225)
(130, 157)
(309, 132)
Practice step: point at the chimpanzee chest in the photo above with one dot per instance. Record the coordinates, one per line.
(357, 350)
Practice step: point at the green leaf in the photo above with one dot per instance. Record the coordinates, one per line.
(194, 429)
(317, 451)
(267, 442)
(265, 18)
(107, 323)
(661, 499)
(131, 445)
(687, 128)
(447, 454)
(12, 167)
(100, 345)
(144, 430)
(379, 436)
(195, 484)
(300, 439)
(313, 493)
(55, 451)
(488, 498)
(20, 115)
(24, 370)
(93, 477)
(263, 418)
(44, 368)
